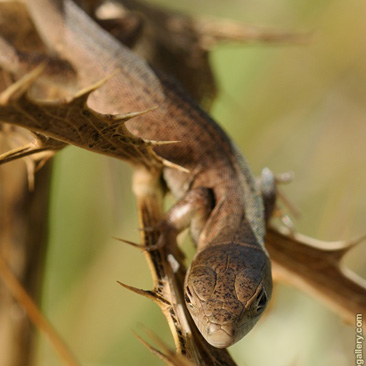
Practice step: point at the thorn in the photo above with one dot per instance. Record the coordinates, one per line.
(15, 154)
(121, 119)
(125, 117)
(154, 337)
(170, 357)
(160, 143)
(83, 94)
(357, 241)
(338, 248)
(48, 154)
(135, 245)
(25, 152)
(146, 293)
(165, 162)
(20, 152)
(21, 86)
(169, 164)
(152, 295)
(153, 350)
(30, 165)
(290, 206)
(348, 245)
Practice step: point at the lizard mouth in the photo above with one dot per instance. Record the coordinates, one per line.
(221, 336)
(218, 338)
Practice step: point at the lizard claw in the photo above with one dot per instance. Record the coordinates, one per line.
(167, 236)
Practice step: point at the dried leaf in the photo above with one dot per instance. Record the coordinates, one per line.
(73, 122)
(39, 151)
(315, 266)
(18, 292)
(179, 44)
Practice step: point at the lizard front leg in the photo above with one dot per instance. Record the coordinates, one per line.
(267, 185)
(191, 211)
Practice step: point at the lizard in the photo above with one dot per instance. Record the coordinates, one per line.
(228, 283)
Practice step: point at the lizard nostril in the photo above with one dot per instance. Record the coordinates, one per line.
(188, 291)
(262, 301)
(188, 300)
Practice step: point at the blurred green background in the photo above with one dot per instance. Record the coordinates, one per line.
(298, 108)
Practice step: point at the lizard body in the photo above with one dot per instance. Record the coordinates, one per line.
(229, 281)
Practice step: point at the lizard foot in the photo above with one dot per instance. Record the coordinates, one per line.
(167, 236)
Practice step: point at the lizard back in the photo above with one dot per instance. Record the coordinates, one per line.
(203, 147)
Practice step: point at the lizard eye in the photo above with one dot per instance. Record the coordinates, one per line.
(203, 280)
(261, 301)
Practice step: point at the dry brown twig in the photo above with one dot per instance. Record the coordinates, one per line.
(180, 44)
(315, 266)
(23, 232)
(168, 271)
(308, 264)
(17, 290)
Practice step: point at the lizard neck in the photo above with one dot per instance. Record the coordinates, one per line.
(229, 222)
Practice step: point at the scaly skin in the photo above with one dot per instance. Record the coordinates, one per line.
(229, 281)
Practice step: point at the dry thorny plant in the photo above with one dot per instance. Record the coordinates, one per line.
(308, 264)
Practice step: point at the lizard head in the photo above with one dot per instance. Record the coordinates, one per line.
(227, 288)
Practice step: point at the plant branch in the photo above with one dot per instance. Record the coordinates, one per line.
(315, 266)
(168, 271)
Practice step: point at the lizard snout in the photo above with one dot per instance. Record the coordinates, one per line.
(218, 337)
